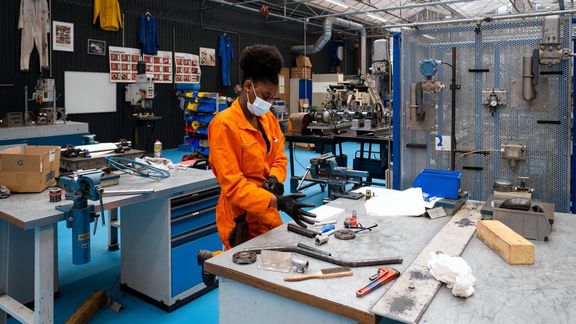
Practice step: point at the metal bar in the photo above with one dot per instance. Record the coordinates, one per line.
(561, 5)
(418, 5)
(482, 19)
(112, 230)
(20, 312)
(573, 168)
(108, 193)
(396, 107)
(453, 117)
(4, 261)
(44, 274)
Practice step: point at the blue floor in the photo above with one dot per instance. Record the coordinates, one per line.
(77, 283)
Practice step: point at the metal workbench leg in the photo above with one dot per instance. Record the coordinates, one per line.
(113, 229)
(291, 153)
(44, 274)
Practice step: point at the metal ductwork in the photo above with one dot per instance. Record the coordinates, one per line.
(327, 35)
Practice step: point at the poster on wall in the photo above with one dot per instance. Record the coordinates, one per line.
(62, 36)
(207, 56)
(123, 62)
(187, 68)
(160, 65)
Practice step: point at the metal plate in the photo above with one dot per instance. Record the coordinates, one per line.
(539, 103)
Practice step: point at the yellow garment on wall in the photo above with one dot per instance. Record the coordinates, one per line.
(110, 15)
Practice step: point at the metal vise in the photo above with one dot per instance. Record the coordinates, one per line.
(326, 168)
(80, 188)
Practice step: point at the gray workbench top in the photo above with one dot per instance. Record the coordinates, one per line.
(540, 293)
(30, 210)
(395, 236)
(58, 129)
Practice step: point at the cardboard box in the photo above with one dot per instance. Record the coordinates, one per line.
(303, 61)
(28, 168)
(284, 86)
(304, 73)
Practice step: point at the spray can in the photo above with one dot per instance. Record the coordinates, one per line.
(157, 149)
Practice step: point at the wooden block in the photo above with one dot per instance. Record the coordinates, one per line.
(509, 245)
(90, 307)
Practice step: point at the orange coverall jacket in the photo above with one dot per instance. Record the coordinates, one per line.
(240, 162)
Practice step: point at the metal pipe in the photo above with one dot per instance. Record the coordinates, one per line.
(453, 117)
(330, 259)
(418, 5)
(108, 193)
(325, 38)
(482, 19)
(527, 78)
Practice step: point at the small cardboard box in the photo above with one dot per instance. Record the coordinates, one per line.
(303, 61)
(301, 73)
(28, 168)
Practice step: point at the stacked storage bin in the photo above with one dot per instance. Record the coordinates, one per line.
(199, 110)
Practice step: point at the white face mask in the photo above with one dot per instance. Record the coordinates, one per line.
(260, 106)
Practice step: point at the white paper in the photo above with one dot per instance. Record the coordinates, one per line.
(396, 203)
(325, 212)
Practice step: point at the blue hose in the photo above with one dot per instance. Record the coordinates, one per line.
(137, 168)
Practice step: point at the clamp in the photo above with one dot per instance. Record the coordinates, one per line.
(378, 280)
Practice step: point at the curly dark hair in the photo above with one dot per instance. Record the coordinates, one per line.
(261, 63)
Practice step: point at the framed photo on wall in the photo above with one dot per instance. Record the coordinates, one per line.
(96, 47)
(207, 56)
(62, 36)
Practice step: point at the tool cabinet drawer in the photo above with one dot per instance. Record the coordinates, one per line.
(193, 220)
(186, 273)
(196, 201)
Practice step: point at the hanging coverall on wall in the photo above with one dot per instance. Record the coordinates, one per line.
(110, 15)
(148, 36)
(226, 53)
(34, 22)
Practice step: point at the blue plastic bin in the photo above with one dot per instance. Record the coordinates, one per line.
(439, 183)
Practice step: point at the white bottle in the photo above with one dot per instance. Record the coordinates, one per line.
(157, 149)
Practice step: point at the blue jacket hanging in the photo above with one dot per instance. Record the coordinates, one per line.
(227, 54)
(148, 36)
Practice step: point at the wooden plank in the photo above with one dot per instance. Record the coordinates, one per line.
(20, 312)
(90, 307)
(310, 300)
(509, 245)
(414, 290)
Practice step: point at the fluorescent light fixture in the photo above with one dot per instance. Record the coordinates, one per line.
(340, 4)
(376, 17)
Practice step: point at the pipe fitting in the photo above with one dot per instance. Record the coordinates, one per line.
(321, 239)
(301, 265)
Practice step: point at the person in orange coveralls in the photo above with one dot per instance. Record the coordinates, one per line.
(247, 155)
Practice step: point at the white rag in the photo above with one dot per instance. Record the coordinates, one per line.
(454, 271)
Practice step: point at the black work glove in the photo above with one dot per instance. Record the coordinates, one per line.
(291, 206)
(273, 185)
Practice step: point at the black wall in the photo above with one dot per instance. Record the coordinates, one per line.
(183, 27)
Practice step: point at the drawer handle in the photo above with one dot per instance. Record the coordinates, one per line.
(194, 235)
(194, 214)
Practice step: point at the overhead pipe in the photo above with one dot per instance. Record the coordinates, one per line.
(481, 19)
(327, 35)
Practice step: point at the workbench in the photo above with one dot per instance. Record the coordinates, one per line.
(156, 230)
(55, 134)
(504, 294)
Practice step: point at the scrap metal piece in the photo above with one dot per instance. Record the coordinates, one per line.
(302, 231)
(329, 258)
(345, 234)
(275, 261)
(300, 264)
(244, 257)
(55, 195)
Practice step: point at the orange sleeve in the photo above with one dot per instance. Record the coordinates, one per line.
(279, 166)
(225, 156)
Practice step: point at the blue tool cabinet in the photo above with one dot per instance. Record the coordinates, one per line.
(160, 240)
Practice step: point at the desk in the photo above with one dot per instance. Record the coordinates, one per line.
(33, 213)
(540, 293)
(250, 295)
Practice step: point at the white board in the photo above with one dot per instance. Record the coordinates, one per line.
(88, 93)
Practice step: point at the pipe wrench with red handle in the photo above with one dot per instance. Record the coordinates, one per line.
(378, 280)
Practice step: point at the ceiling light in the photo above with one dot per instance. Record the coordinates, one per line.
(340, 4)
(376, 17)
